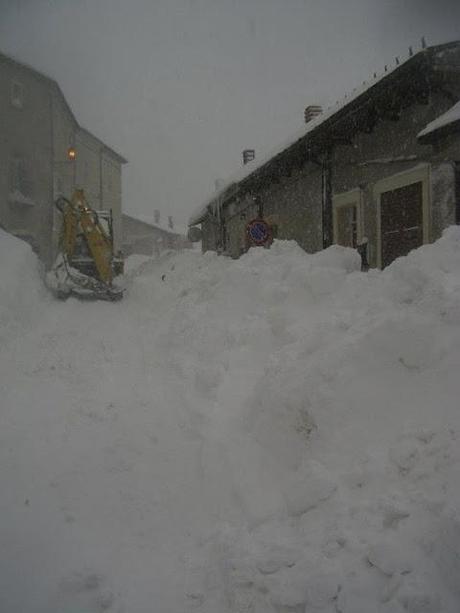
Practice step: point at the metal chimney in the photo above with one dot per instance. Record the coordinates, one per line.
(311, 112)
(248, 155)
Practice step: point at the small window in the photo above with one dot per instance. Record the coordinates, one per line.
(346, 226)
(17, 95)
(19, 178)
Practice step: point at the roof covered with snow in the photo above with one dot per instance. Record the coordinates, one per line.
(327, 118)
(449, 119)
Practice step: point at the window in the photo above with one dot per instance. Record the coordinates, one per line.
(19, 180)
(17, 95)
(346, 218)
(347, 226)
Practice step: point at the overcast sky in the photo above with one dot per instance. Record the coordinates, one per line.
(181, 87)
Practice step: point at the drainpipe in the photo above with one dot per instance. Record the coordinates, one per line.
(325, 163)
(327, 199)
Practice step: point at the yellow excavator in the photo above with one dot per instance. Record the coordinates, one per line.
(85, 265)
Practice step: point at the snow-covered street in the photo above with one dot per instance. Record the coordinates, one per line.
(273, 434)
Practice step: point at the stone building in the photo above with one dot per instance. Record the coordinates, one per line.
(145, 237)
(382, 165)
(44, 152)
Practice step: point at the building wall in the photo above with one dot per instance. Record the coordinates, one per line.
(211, 234)
(146, 239)
(111, 194)
(64, 129)
(98, 173)
(36, 130)
(368, 161)
(292, 206)
(25, 154)
(370, 158)
(88, 168)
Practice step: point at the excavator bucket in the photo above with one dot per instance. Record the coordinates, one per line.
(85, 264)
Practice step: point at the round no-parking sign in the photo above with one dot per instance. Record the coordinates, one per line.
(259, 232)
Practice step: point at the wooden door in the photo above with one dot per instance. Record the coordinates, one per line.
(401, 215)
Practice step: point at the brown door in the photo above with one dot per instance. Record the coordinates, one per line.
(401, 213)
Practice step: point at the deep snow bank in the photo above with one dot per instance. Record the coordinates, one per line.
(21, 288)
(329, 411)
(273, 434)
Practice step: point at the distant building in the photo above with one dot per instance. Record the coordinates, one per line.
(44, 152)
(144, 236)
(383, 164)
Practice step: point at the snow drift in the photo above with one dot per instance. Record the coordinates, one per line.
(277, 433)
(21, 288)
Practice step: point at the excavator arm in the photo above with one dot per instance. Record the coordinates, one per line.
(86, 256)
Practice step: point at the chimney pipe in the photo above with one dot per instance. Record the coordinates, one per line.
(311, 112)
(248, 155)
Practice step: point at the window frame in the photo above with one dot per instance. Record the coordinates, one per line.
(353, 197)
(17, 101)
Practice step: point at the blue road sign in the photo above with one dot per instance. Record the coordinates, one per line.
(258, 231)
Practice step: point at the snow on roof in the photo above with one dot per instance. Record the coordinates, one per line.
(449, 117)
(256, 164)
